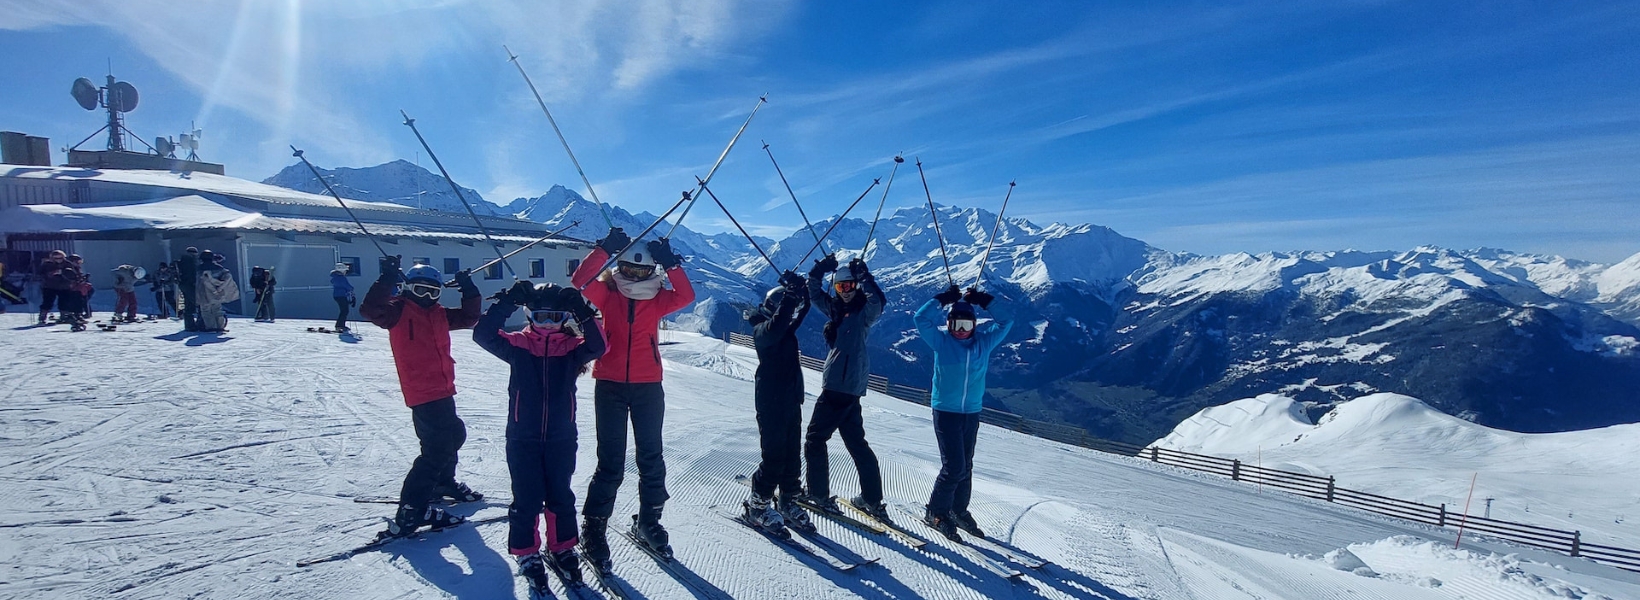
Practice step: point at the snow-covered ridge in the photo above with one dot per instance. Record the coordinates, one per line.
(1396, 445)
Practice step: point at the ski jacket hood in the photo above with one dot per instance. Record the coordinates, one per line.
(847, 363)
(541, 388)
(960, 365)
(631, 326)
(420, 339)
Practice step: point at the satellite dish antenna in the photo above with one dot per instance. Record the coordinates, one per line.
(164, 147)
(124, 96)
(86, 93)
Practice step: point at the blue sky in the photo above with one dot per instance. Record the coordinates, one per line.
(1206, 127)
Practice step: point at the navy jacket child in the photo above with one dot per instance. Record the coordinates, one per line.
(546, 357)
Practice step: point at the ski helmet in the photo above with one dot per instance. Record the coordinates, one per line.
(544, 298)
(424, 273)
(772, 300)
(961, 321)
(636, 263)
(962, 310)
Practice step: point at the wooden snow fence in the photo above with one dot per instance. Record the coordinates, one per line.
(1318, 487)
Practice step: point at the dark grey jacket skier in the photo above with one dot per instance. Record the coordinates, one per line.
(847, 363)
(851, 313)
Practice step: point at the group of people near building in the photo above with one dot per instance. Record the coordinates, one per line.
(195, 287)
(608, 321)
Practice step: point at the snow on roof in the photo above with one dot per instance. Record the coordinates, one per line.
(195, 212)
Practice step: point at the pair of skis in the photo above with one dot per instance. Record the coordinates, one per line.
(789, 537)
(383, 539)
(975, 546)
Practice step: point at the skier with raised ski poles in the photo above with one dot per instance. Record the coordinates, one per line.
(851, 313)
(419, 334)
(546, 357)
(962, 355)
(779, 403)
(627, 385)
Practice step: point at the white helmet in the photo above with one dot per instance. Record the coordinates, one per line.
(636, 263)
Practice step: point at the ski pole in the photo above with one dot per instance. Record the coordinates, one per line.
(719, 163)
(594, 193)
(527, 246)
(316, 175)
(836, 222)
(794, 196)
(934, 214)
(898, 160)
(994, 231)
(616, 256)
(732, 219)
(411, 123)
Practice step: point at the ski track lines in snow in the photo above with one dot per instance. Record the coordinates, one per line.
(135, 465)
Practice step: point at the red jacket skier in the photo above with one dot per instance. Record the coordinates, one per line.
(419, 332)
(628, 381)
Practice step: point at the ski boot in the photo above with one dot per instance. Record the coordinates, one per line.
(595, 542)
(942, 524)
(567, 566)
(408, 520)
(827, 504)
(646, 527)
(457, 492)
(760, 513)
(534, 572)
(964, 520)
(795, 515)
(876, 510)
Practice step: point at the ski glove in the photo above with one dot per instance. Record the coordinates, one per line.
(950, 296)
(792, 281)
(661, 250)
(519, 294)
(390, 270)
(464, 282)
(570, 299)
(858, 268)
(978, 298)
(615, 242)
(823, 266)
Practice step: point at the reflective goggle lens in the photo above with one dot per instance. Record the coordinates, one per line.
(425, 290)
(549, 317)
(844, 286)
(962, 325)
(633, 271)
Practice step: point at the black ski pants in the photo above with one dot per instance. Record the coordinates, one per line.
(779, 431)
(61, 298)
(264, 305)
(540, 486)
(190, 309)
(840, 413)
(442, 433)
(955, 433)
(342, 306)
(644, 405)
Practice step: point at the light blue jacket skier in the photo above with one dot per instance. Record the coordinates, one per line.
(960, 364)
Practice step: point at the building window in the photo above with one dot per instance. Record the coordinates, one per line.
(421, 260)
(352, 263)
(538, 268)
(451, 265)
(494, 271)
(574, 263)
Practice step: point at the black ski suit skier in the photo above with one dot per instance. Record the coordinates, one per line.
(187, 280)
(962, 356)
(546, 357)
(852, 312)
(418, 331)
(779, 402)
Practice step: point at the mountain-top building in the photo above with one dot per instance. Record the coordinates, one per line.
(144, 217)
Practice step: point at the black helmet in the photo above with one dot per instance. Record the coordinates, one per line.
(545, 297)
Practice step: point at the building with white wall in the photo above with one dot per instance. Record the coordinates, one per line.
(143, 217)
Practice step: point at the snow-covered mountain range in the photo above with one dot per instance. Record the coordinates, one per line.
(1127, 340)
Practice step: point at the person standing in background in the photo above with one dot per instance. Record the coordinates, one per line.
(125, 293)
(187, 279)
(342, 290)
(214, 288)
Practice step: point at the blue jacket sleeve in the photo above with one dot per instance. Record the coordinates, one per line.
(928, 322)
(992, 333)
(487, 333)
(592, 345)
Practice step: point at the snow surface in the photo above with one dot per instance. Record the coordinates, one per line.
(1398, 446)
(149, 463)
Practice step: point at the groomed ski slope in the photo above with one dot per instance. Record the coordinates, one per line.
(144, 463)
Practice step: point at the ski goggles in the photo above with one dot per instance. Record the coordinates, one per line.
(962, 325)
(549, 317)
(424, 290)
(635, 271)
(844, 286)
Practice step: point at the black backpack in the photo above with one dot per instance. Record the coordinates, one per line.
(259, 278)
